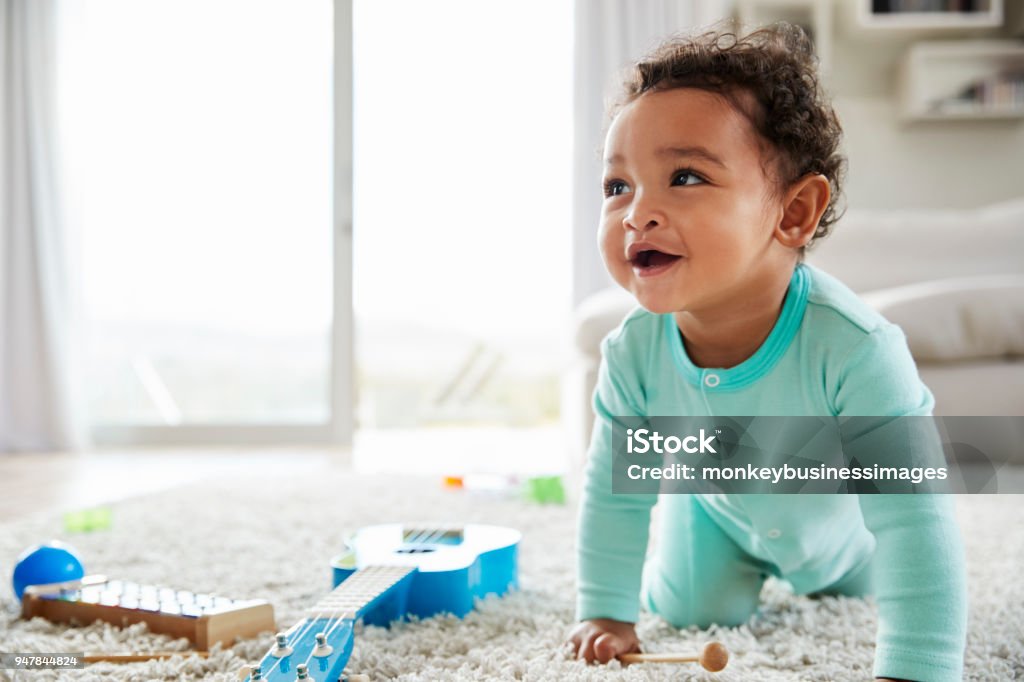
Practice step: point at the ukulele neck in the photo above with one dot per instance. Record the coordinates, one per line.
(356, 594)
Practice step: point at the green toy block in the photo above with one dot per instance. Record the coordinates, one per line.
(88, 520)
(544, 490)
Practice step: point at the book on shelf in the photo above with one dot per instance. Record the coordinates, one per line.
(1002, 92)
(913, 6)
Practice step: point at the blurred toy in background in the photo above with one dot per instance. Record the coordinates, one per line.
(536, 489)
(544, 490)
(88, 520)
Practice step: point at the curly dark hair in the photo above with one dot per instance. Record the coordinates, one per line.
(777, 66)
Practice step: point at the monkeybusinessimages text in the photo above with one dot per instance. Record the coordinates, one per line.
(647, 441)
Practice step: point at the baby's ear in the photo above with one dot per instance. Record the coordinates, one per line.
(804, 203)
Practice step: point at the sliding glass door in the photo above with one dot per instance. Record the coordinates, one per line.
(463, 115)
(207, 166)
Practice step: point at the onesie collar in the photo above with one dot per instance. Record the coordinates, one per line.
(758, 364)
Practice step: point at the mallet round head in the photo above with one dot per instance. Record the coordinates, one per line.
(714, 657)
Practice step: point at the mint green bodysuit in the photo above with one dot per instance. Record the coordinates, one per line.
(828, 354)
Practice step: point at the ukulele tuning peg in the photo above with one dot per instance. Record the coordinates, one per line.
(323, 649)
(281, 649)
(302, 673)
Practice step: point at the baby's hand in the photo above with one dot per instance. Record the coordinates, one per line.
(602, 639)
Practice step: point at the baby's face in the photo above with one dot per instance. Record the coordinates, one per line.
(687, 221)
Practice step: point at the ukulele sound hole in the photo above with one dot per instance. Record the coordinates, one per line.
(415, 549)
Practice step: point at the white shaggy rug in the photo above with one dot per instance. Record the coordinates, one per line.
(271, 537)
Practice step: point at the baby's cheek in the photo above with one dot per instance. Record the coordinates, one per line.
(610, 243)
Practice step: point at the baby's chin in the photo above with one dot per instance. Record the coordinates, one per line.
(656, 304)
(658, 300)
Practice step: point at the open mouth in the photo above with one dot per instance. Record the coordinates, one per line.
(652, 260)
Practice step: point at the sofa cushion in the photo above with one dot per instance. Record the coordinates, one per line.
(871, 250)
(976, 388)
(597, 315)
(964, 318)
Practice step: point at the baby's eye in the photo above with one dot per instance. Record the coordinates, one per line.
(686, 177)
(613, 188)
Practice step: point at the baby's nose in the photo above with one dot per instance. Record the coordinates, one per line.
(644, 214)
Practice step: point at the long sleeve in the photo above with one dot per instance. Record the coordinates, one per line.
(613, 529)
(919, 575)
(918, 570)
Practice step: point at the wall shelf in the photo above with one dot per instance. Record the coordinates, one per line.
(962, 80)
(967, 75)
(985, 14)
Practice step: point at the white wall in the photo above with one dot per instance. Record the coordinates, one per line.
(958, 164)
(894, 164)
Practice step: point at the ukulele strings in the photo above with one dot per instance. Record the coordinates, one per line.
(336, 616)
(297, 637)
(424, 536)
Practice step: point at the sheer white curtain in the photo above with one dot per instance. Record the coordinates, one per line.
(610, 34)
(37, 408)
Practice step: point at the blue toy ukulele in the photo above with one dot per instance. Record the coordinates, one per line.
(389, 572)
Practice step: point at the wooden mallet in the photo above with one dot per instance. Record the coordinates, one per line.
(139, 656)
(713, 658)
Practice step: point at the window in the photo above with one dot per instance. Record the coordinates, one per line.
(462, 211)
(198, 151)
(198, 138)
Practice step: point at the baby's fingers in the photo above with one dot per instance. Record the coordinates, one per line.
(574, 643)
(586, 645)
(608, 646)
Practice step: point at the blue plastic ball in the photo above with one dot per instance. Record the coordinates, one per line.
(52, 562)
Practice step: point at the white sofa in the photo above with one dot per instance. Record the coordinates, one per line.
(952, 280)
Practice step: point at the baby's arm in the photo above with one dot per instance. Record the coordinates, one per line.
(918, 570)
(613, 531)
(919, 577)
